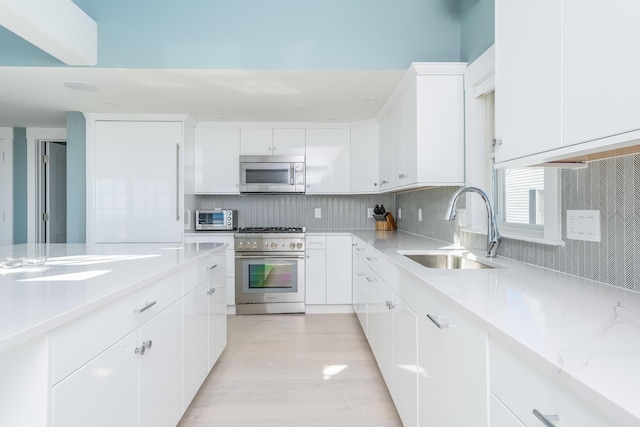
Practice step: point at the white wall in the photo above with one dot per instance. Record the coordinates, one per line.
(6, 186)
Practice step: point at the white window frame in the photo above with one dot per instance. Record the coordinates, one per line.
(479, 82)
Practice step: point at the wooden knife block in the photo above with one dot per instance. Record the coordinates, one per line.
(388, 225)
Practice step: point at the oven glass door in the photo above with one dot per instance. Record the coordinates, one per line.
(266, 174)
(266, 275)
(211, 218)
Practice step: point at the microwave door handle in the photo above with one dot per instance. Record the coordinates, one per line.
(292, 174)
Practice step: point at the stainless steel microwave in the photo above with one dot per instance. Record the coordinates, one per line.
(216, 220)
(272, 174)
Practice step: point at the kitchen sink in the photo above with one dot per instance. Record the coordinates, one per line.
(446, 261)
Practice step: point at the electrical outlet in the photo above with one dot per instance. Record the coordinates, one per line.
(583, 225)
(317, 213)
(369, 212)
(420, 214)
(399, 213)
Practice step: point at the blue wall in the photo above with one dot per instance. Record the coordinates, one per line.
(76, 174)
(19, 185)
(259, 34)
(477, 28)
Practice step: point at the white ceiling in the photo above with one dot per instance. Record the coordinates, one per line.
(36, 96)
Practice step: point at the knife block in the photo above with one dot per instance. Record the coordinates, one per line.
(388, 224)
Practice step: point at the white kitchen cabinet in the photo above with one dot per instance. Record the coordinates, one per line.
(405, 362)
(422, 129)
(544, 393)
(328, 161)
(136, 186)
(230, 269)
(380, 326)
(216, 161)
(195, 358)
(501, 416)
(104, 392)
(217, 319)
(272, 141)
(600, 81)
(452, 363)
(528, 77)
(161, 369)
(328, 269)
(364, 157)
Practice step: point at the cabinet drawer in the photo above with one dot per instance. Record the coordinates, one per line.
(543, 393)
(211, 237)
(203, 269)
(77, 342)
(316, 242)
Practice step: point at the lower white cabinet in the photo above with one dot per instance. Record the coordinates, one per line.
(195, 341)
(80, 399)
(220, 237)
(543, 397)
(217, 316)
(328, 269)
(452, 363)
(501, 416)
(405, 361)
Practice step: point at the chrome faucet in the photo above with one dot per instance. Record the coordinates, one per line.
(493, 237)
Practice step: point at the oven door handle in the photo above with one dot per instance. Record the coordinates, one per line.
(269, 257)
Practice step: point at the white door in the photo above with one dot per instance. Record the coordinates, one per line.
(256, 142)
(217, 317)
(328, 161)
(388, 153)
(195, 360)
(405, 363)
(161, 369)
(102, 393)
(6, 189)
(315, 269)
(289, 142)
(137, 182)
(364, 158)
(339, 286)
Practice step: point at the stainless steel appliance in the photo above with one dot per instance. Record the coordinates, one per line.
(216, 220)
(272, 174)
(270, 264)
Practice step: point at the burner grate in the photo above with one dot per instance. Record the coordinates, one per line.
(271, 230)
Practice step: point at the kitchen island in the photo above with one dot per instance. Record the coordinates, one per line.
(61, 321)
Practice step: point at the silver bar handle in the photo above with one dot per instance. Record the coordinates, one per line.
(177, 182)
(211, 267)
(147, 306)
(546, 419)
(371, 259)
(371, 279)
(434, 318)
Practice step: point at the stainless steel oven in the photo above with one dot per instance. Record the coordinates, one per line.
(270, 269)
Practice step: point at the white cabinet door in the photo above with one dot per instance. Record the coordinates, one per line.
(339, 286)
(195, 360)
(316, 276)
(380, 326)
(161, 369)
(601, 84)
(452, 363)
(364, 158)
(102, 393)
(501, 416)
(328, 161)
(405, 363)
(405, 128)
(137, 182)
(217, 318)
(289, 142)
(528, 77)
(256, 141)
(388, 153)
(216, 157)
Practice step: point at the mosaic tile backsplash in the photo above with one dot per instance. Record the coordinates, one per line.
(611, 186)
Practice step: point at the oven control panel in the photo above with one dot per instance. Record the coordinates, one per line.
(269, 245)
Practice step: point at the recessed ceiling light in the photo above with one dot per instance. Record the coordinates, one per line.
(332, 119)
(223, 118)
(81, 86)
(372, 100)
(113, 104)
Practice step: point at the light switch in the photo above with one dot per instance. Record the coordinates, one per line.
(369, 212)
(399, 213)
(583, 225)
(318, 213)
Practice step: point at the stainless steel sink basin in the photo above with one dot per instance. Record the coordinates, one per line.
(446, 261)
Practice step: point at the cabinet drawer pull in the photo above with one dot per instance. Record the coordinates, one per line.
(434, 318)
(546, 419)
(359, 274)
(370, 259)
(371, 279)
(391, 305)
(146, 307)
(211, 267)
(211, 291)
(140, 350)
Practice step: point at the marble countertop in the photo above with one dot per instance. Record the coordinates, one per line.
(585, 333)
(78, 278)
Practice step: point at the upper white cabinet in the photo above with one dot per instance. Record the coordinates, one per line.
(216, 161)
(328, 161)
(567, 88)
(422, 128)
(272, 141)
(364, 157)
(134, 181)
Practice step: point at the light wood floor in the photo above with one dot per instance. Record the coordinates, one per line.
(294, 370)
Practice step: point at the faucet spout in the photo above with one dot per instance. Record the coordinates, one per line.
(493, 236)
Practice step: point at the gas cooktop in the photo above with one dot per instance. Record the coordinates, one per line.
(262, 230)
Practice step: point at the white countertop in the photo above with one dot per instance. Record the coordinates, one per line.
(585, 333)
(78, 278)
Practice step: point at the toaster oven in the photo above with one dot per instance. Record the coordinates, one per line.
(216, 220)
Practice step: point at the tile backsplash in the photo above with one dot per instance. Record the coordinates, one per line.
(337, 212)
(611, 186)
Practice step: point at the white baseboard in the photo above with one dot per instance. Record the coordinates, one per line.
(329, 308)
